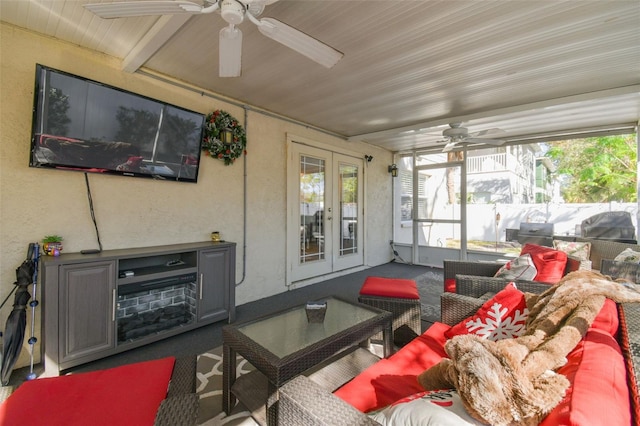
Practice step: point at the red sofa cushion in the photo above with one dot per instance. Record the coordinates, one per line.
(390, 287)
(599, 394)
(607, 319)
(127, 395)
(550, 263)
(450, 285)
(390, 379)
(596, 369)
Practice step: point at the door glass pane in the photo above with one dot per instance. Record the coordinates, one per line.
(312, 197)
(348, 188)
(438, 194)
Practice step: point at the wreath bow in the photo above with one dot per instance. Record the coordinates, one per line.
(216, 145)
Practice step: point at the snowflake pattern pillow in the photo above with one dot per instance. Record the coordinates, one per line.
(502, 317)
(520, 268)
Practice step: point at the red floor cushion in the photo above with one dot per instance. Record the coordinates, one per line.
(127, 395)
(390, 287)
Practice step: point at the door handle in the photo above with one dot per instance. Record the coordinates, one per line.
(201, 281)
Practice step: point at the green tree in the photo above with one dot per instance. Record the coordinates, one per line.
(596, 170)
(57, 119)
(137, 127)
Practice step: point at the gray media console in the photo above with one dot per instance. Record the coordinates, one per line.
(96, 305)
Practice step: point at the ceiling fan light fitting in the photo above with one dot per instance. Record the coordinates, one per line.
(455, 132)
(230, 52)
(232, 11)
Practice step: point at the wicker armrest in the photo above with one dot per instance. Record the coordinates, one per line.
(630, 343)
(476, 286)
(183, 378)
(179, 410)
(303, 402)
(456, 307)
(180, 407)
(462, 267)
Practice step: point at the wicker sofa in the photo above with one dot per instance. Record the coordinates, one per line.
(302, 401)
(476, 273)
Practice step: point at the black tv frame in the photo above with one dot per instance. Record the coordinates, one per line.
(170, 151)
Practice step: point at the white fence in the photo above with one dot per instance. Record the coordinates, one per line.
(566, 218)
(481, 218)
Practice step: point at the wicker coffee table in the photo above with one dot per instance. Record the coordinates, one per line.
(285, 344)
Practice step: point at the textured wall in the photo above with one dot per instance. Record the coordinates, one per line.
(142, 212)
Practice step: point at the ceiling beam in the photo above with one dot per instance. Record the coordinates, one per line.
(164, 28)
(602, 94)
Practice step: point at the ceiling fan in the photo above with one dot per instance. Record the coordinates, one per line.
(230, 38)
(456, 134)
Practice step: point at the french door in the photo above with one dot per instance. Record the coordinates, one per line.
(324, 192)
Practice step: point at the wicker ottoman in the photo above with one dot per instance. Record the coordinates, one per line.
(396, 295)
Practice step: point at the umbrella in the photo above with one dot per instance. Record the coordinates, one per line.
(17, 321)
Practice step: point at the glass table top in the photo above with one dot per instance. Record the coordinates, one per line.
(289, 331)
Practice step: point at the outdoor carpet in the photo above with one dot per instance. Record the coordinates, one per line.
(209, 370)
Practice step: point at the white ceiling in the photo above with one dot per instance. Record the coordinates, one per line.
(530, 68)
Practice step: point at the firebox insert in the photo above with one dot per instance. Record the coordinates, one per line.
(150, 307)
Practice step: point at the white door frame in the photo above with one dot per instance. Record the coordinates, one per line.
(297, 272)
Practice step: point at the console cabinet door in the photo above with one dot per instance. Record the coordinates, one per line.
(86, 309)
(214, 268)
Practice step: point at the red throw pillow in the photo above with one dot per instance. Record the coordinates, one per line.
(549, 263)
(501, 317)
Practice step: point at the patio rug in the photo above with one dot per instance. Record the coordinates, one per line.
(209, 370)
(430, 286)
(209, 389)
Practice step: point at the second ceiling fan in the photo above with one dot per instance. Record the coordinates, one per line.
(230, 37)
(456, 135)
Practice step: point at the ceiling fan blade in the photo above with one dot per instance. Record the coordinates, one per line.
(230, 47)
(144, 8)
(449, 147)
(300, 42)
(485, 141)
(494, 131)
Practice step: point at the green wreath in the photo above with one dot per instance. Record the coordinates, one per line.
(216, 122)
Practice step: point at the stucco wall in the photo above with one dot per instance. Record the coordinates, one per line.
(142, 212)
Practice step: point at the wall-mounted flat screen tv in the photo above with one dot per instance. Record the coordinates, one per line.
(80, 124)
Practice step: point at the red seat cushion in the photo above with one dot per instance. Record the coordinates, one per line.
(390, 379)
(550, 263)
(390, 287)
(127, 395)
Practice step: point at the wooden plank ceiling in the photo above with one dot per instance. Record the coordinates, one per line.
(530, 68)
